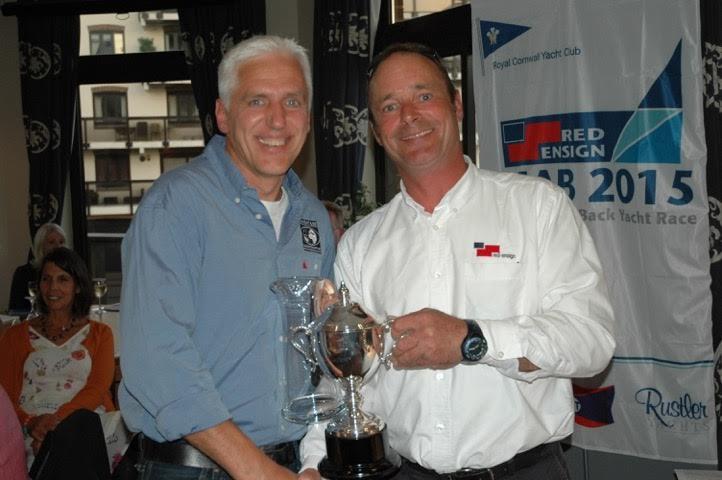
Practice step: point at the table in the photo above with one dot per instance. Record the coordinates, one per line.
(698, 474)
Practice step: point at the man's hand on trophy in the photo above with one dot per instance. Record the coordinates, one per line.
(309, 474)
(427, 338)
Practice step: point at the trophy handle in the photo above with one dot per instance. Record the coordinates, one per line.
(387, 343)
(302, 341)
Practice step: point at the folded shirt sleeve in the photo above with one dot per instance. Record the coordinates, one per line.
(573, 333)
(162, 369)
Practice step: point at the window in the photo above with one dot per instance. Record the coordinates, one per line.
(172, 38)
(407, 9)
(106, 40)
(122, 153)
(112, 168)
(110, 107)
(174, 158)
(182, 105)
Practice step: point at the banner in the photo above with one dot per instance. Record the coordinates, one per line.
(604, 98)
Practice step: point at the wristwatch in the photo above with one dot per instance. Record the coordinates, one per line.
(474, 346)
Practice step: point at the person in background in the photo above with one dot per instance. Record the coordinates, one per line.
(47, 238)
(335, 214)
(496, 286)
(202, 335)
(12, 452)
(57, 369)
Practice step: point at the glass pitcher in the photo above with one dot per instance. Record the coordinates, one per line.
(302, 300)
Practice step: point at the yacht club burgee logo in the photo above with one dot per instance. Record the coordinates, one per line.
(651, 134)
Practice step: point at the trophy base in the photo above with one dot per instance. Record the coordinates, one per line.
(357, 458)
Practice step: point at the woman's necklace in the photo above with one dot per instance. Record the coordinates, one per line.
(63, 330)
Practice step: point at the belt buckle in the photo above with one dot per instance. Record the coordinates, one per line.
(473, 473)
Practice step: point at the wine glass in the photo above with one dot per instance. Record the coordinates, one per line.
(100, 288)
(33, 297)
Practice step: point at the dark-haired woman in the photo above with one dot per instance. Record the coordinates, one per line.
(57, 369)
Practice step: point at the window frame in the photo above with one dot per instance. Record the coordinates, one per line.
(172, 95)
(120, 157)
(187, 153)
(111, 30)
(103, 121)
(172, 31)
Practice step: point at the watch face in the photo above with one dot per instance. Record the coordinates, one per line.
(475, 348)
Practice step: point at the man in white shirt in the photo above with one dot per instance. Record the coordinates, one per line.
(496, 284)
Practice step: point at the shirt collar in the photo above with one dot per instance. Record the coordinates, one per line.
(453, 200)
(233, 181)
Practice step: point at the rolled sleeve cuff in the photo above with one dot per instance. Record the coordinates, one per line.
(311, 462)
(510, 368)
(191, 414)
(313, 446)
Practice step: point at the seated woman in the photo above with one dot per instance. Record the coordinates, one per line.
(48, 237)
(57, 369)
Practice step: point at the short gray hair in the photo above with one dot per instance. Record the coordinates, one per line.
(256, 47)
(39, 238)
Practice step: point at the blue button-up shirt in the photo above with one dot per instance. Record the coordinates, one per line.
(201, 332)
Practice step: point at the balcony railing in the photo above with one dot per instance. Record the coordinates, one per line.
(147, 132)
(117, 198)
(158, 16)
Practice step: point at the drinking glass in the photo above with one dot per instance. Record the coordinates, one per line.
(100, 288)
(33, 297)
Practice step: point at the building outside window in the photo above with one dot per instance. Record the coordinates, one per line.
(176, 157)
(131, 132)
(106, 40)
(110, 107)
(182, 105)
(112, 168)
(407, 9)
(172, 38)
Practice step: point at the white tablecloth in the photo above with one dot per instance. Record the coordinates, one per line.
(698, 474)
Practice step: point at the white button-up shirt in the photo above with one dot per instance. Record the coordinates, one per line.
(511, 253)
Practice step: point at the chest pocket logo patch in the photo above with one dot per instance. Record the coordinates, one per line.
(311, 237)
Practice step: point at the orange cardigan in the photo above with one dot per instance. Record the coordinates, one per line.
(15, 348)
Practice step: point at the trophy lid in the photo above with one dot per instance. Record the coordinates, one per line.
(347, 316)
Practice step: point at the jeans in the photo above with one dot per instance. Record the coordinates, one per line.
(151, 470)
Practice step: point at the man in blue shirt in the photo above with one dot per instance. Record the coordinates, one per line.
(201, 332)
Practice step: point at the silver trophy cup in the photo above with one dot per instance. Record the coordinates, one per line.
(350, 346)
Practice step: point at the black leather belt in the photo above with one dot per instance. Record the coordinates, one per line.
(518, 462)
(181, 452)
